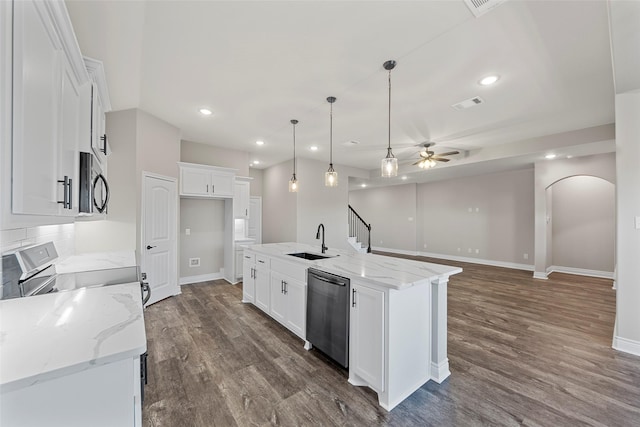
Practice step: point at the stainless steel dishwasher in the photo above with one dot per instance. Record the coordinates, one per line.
(328, 314)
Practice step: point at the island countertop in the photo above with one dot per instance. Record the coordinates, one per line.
(52, 335)
(393, 273)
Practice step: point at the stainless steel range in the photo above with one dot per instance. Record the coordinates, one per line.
(30, 271)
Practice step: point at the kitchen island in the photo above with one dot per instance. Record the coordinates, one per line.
(398, 329)
(72, 358)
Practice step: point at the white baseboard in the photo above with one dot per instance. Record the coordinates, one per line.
(626, 345)
(580, 271)
(440, 372)
(540, 275)
(200, 278)
(526, 267)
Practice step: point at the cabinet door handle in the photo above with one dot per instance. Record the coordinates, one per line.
(246, 212)
(282, 286)
(70, 191)
(207, 188)
(66, 185)
(103, 138)
(353, 297)
(286, 286)
(253, 273)
(213, 189)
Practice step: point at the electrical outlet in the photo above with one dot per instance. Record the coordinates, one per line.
(194, 262)
(477, 251)
(187, 231)
(458, 249)
(526, 256)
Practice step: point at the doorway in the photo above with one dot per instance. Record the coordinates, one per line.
(159, 235)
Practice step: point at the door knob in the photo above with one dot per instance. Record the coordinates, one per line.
(150, 247)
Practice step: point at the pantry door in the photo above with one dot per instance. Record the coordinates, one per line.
(159, 236)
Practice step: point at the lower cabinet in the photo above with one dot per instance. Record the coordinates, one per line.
(261, 275)
(248, 277)
(288, 303)
(367, 335)
(101, 396)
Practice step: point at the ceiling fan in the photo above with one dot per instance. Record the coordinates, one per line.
(429, 158)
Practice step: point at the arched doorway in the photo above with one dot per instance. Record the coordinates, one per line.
(581, 226)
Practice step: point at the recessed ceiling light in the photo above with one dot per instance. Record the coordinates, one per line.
(259, 142)
(569, 157)
(313, 148)
(205, 111)
(256, 162)
(363, 185)
(550, 156)
(404, 177)
(489, 80)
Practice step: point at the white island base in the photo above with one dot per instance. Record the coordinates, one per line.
(398, 314)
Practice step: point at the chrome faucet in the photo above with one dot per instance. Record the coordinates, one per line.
(324, 247)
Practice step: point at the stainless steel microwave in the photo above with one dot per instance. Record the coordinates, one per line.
(94, 189)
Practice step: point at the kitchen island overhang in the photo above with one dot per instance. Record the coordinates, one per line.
(407, 301)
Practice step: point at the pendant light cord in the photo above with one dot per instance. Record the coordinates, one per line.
(331, 135)
(389, 136)
(294, 150)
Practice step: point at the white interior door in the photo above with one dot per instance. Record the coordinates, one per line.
(255, 219)
(159, 240)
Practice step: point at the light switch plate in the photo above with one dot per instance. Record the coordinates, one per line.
(637, 222)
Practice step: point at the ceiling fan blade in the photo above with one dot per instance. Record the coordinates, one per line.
(450, 153)
(418, 162)
(440, 159)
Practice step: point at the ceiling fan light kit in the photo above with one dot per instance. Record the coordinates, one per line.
(293, 182)
(389, 165)
(331, 176)
(429, 159)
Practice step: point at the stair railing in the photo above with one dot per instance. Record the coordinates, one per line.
(359, 229)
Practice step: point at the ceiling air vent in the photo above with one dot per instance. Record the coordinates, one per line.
(468, 103)
(480, 7)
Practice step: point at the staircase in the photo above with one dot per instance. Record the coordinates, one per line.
(359, 232)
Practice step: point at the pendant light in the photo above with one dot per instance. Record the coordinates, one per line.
(293, 183)
(331, 176)
(389, 163)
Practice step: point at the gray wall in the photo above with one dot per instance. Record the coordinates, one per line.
(488, 217)
(391, 211)
(205, 154)
(583, 223)
(256, 184)
(205, 219)
(279, 207)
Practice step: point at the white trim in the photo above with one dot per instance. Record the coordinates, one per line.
(187, 280)
(440, 372)
(515, 266)
(626, 345)
(157, 176)
(540, 275)
(580, 271)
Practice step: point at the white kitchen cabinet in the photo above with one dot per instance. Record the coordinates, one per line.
(289, 296)
(238, 262)
(105, 395)
(248, 276)
(367, 319)
(46, 87)
(206, 181)
(261, 275)
(99, 105)
(241, 198)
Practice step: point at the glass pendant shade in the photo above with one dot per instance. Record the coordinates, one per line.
(389, 165)
(331, 177)
(293, 184)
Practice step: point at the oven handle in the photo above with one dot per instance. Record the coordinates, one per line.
(145, 288)
(103, 207)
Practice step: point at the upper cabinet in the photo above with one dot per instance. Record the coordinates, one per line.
(206, 181)
(241, 197)
(100, 104)
(48, 77)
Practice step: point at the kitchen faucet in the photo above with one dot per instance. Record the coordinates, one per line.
(324, 248)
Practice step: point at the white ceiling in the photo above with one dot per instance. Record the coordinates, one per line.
(258, 64)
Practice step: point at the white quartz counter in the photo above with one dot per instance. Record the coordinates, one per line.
(52, 335)
(394, 273)
(96, 261)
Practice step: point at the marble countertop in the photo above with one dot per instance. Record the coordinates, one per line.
(390, 272)
(96, 261)
(53, 335)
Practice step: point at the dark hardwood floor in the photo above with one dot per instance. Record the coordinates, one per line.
(521, 351)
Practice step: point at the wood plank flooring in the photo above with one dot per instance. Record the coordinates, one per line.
(521, 351)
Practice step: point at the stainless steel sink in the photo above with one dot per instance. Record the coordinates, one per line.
(309, 256)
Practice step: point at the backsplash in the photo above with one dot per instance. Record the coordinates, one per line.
(63, 236)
